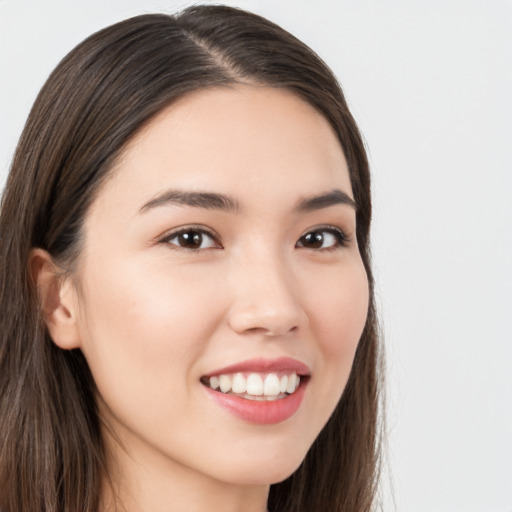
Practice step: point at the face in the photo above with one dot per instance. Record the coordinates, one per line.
(222, 252)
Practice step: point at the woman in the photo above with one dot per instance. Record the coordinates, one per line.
(186, 295)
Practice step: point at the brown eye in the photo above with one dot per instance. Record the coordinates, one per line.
(193, 239)
(313, 240)
(322, 239)
(190, 240)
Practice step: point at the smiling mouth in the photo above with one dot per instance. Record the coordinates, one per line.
(255, 386)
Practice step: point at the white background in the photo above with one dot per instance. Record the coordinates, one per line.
(430, 84)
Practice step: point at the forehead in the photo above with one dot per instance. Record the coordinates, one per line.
(235, 140)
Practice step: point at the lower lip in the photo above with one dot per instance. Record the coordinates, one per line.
(260, 412)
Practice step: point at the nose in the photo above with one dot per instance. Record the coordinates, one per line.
(267, 300)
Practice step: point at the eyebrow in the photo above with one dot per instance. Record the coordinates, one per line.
(216, 201)
(206, 200)
(331, 198)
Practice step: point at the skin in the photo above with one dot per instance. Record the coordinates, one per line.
(152, 317)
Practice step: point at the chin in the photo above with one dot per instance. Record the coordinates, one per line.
(264, 471)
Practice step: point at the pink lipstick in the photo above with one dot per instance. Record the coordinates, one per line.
(262, 391)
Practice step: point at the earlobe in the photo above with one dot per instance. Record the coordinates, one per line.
(58, 300)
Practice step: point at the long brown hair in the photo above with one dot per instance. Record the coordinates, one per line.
(98, 97)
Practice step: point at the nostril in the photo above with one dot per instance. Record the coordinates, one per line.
(271, 332)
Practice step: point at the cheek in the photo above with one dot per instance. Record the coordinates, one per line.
(141, 327)
(342, 309)
(338, 308)
(340, 318)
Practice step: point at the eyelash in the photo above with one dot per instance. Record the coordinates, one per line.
(340, 238)
(201, 230)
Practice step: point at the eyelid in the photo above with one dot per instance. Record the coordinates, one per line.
(343, 238)
(169, 235)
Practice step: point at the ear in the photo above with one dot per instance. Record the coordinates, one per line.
(58, 299)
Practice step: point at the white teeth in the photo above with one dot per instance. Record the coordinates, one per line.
(292, 383)
(282, 385)
(225, 383)
(254, 385)
(239, 384)
(271, 385)
(214, 382)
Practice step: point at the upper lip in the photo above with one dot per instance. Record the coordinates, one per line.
(282, 364)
